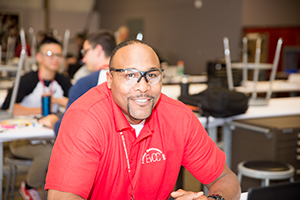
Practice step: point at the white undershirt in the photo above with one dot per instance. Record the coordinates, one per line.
(102, 76)
(138, 127)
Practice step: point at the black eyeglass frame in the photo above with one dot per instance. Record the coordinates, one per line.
(143, 74)
(84, 52)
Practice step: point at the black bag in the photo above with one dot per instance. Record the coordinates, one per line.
(218, 102)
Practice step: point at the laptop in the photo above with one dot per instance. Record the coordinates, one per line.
(275, 192)
(7, 115)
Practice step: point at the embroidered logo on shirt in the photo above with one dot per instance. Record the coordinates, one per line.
(153, 155)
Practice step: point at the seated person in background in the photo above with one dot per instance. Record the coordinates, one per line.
(103, 42)
(124, 139)
(33, 85)
(91, 53)
(45, 81)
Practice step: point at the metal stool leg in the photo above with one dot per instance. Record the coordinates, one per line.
(240, 177)
(267, 182)
(6, 195)
(14, 175)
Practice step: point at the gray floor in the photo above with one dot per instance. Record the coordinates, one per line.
(18, 182)
(19, 179)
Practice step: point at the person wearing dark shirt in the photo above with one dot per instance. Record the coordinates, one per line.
(33, 85)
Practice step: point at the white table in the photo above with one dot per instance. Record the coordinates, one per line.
(277, 107)
(263, 86)
(244, 196)
(173, 91)
(38, 132)
(177, 79)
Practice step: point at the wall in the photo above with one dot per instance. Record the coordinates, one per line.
(274, 19)
(64, 14)
(271, 13)
(195, 36)
(174, 26)
(178, 28)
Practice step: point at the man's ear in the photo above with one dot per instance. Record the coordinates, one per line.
(99, 49)
(109, 79)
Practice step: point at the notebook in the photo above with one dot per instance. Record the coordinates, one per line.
(276, 192)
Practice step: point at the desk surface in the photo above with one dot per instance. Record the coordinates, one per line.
(277, 86)
(37, 132)
(173, 91)
(276, 107)
(177, 79)
(244, 196)
(26, 133)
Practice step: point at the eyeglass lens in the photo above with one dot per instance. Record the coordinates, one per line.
(132, 76)
(50, 54)
(84, 51)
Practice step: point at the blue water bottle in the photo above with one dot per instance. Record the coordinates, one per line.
(46, 105)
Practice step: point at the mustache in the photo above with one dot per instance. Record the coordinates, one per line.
(141, 96)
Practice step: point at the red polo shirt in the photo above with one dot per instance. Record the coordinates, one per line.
(89, 159)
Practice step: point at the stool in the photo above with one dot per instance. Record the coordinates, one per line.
(266, 171)
(17, 166)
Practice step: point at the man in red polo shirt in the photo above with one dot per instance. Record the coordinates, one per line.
(125, 140)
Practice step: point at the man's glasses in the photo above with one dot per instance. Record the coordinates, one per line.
(50, 54)
(133, 76)
(84, 51)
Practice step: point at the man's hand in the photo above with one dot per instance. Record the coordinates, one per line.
(188, 195)
(60, 101)
(49, 120)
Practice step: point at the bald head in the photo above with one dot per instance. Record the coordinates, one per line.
(126, 43)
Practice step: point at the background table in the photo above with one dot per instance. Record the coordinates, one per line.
(31, 132)
(277, 86)
(276, 107)
(173, 91)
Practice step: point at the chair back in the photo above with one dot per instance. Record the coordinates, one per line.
(228, 63)
(275, 66)
(256, 66)
(65, 48)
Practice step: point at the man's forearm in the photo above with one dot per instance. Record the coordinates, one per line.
(21, 110)
(227, 188)
(227, 185)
